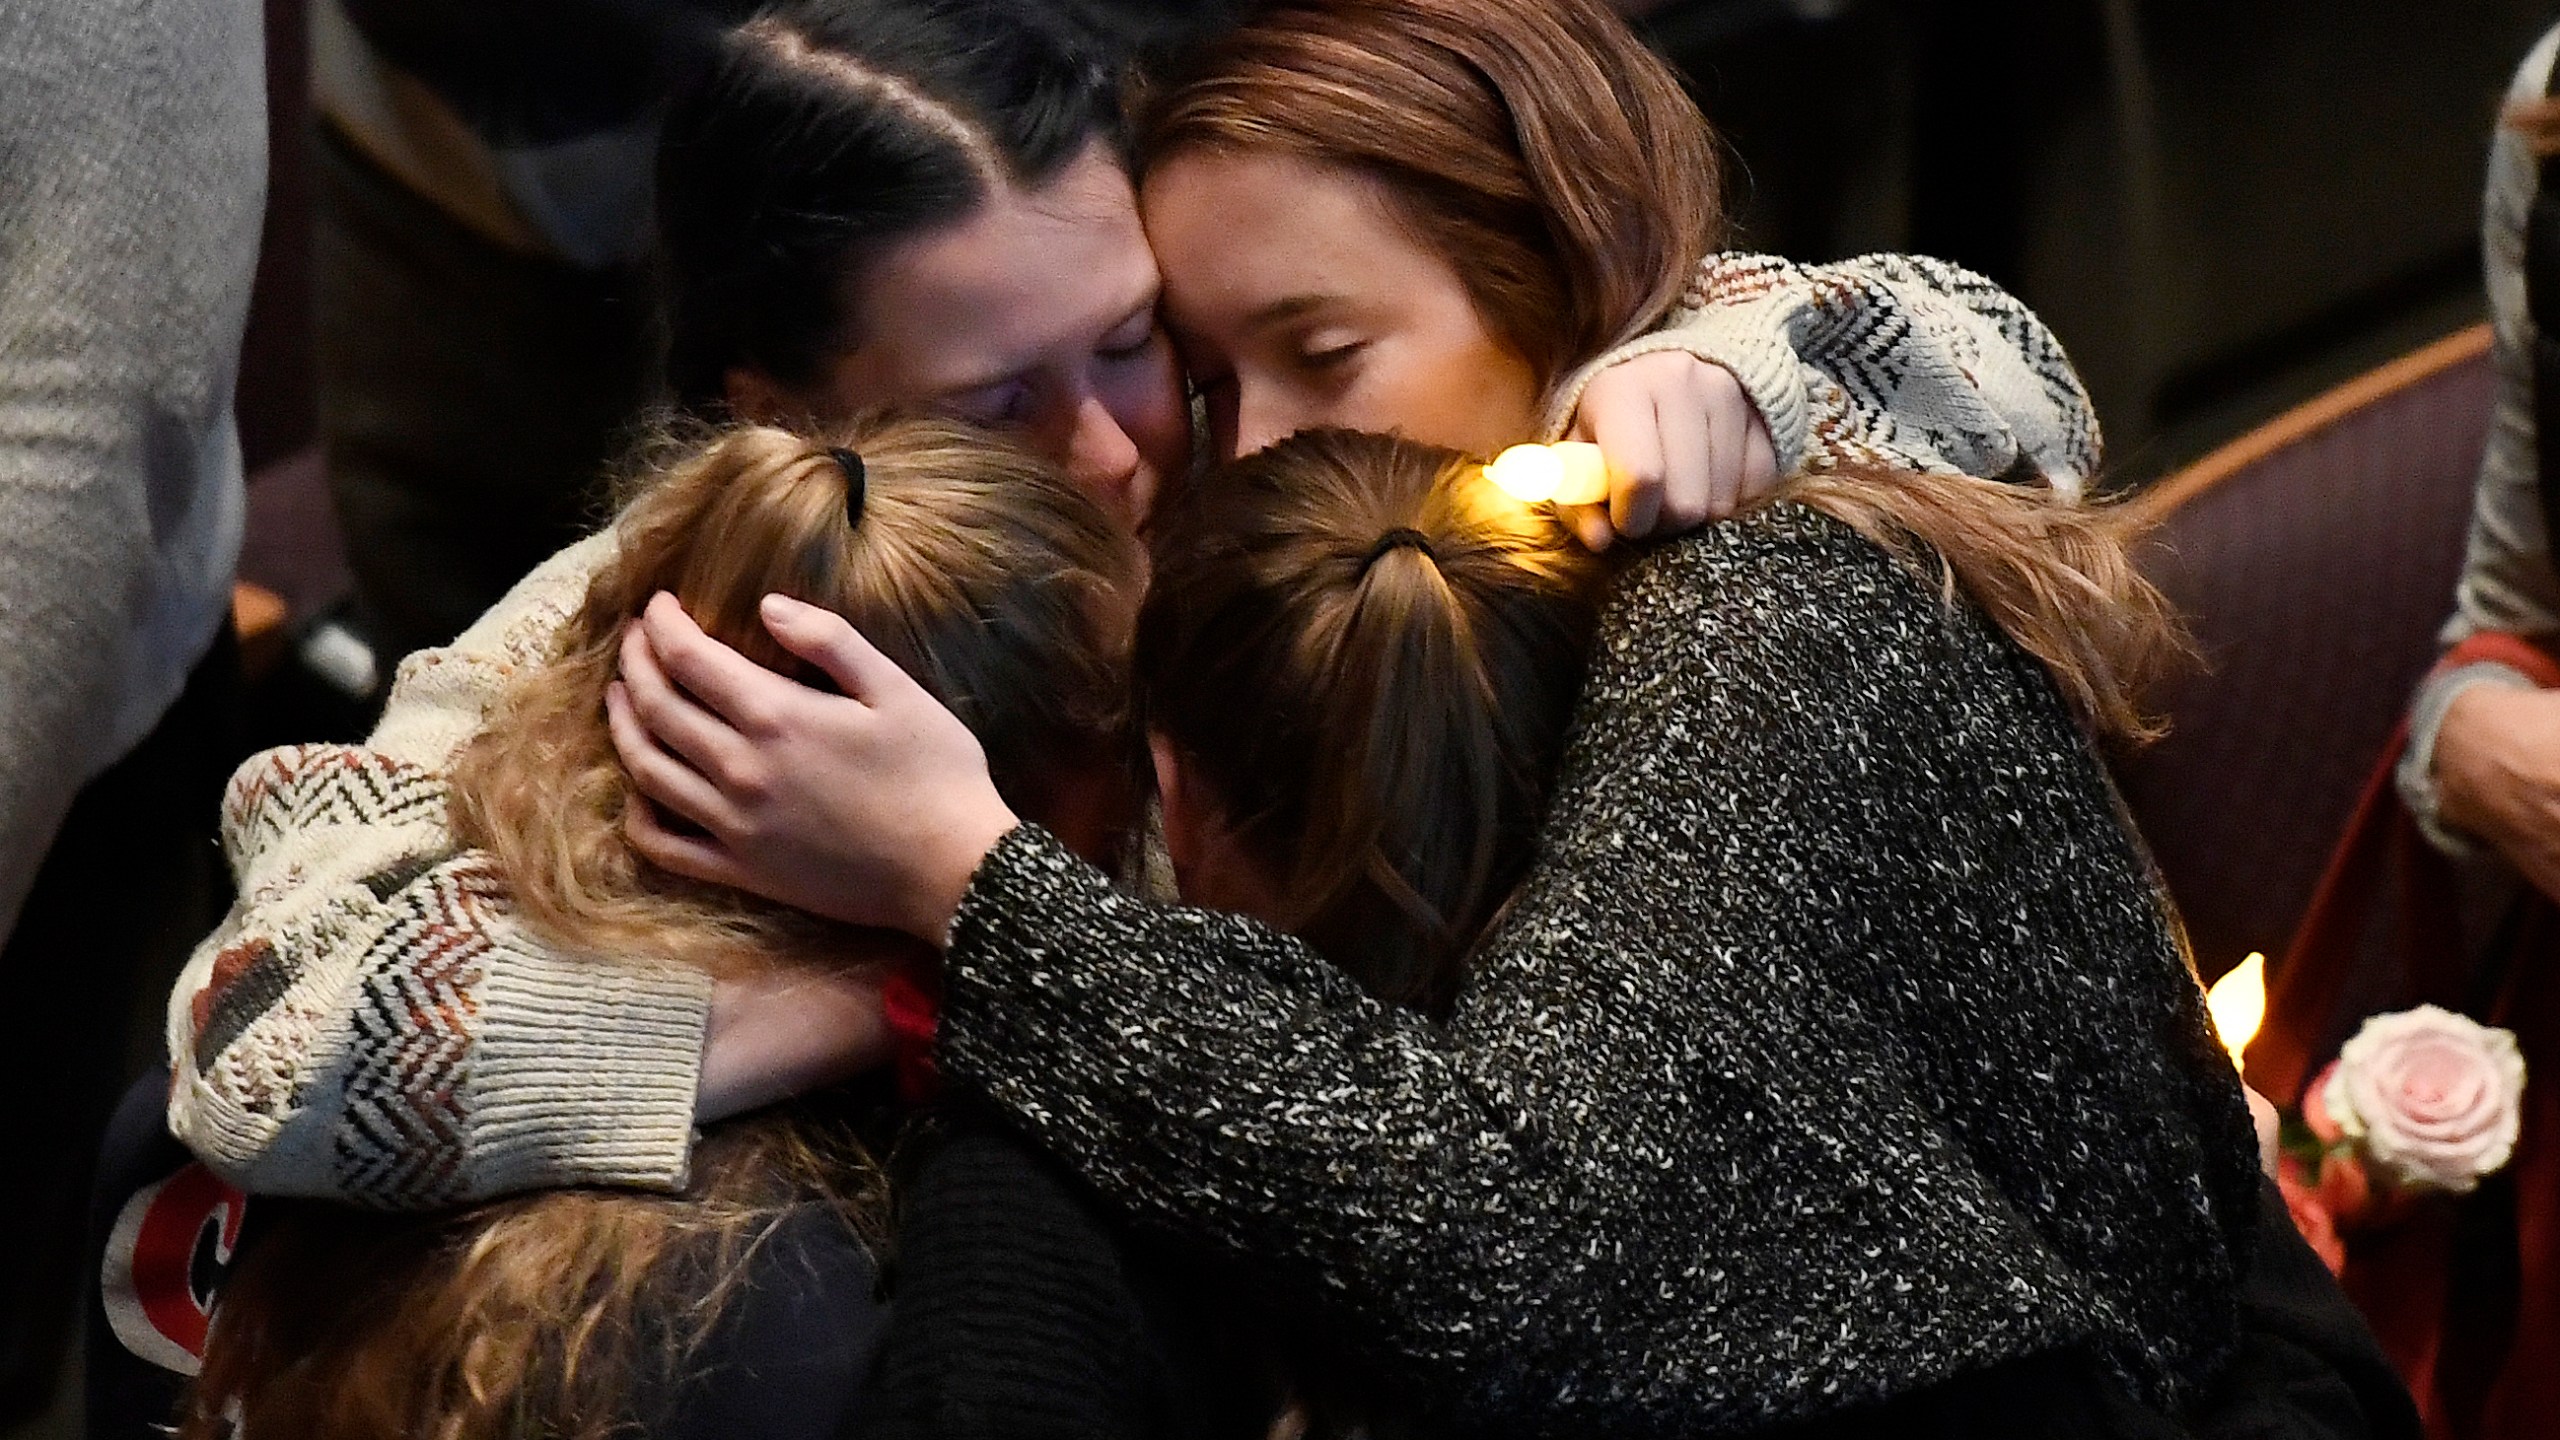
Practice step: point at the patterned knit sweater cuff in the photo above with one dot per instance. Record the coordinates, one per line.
(583, 1073)
(995, 982)
(1749, 342)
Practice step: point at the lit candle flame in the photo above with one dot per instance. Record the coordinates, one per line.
(2238, 1003)
(1570, 472)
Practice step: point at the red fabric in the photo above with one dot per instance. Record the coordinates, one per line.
(912, 1004)
(2464, 1294)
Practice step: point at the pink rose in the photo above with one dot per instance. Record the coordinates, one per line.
(2431, 1098)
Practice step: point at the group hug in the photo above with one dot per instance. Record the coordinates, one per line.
(1069, 864)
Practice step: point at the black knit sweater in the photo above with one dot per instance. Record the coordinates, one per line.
(1839, 1041)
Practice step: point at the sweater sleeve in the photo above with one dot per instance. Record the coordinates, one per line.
(1888, 360)
(1660, 1170)
(132, 162)
(2508, 582)
(371, 1023)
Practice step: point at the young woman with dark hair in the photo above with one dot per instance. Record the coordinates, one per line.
(1837, 1061)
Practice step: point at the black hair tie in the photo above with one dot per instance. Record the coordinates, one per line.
(854, 483)
(1401, 537)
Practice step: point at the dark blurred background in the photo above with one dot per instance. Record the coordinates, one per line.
(2222, 206)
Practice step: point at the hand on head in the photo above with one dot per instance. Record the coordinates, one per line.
(872, 807)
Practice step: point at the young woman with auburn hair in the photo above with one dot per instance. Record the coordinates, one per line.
(1836, 1062)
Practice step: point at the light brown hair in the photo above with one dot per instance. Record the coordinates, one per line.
(1371, 654)
(1559, 168)
(998, 585)
(1006, 592)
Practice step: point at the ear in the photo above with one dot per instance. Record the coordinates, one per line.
(1182, 817)
(754, 396)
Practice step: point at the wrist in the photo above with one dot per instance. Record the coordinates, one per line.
(776, 1034)
(2466, 769)
(945, 878)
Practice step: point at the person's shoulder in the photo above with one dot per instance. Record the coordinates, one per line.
(1783, 574)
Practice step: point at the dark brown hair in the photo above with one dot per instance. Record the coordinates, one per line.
(1371, 654)
(1006, 592)
(820, 134)
(1537, 142)
(1560, 170)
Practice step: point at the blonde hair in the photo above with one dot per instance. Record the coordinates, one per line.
(1000, 587)
(1006, 592)
(1571, 182)
(1371, 654)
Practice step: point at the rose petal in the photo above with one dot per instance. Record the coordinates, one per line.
(2315, 1107)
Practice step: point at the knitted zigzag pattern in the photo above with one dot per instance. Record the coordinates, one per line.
(299, 815)
(1886, 361)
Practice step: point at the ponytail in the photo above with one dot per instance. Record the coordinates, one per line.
(1412, 642)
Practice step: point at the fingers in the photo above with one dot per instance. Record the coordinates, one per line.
(826, 640)
(1759, 459)
(673, 721)
(1589, 524)
(1634, 451)
(659, 776)
(734, 688)
(691, 856)
(1692, 492)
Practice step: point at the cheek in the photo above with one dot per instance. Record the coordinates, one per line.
(1467, 394)
(1146, 398)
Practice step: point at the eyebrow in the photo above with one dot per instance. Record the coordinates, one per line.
(1144, 307)
(1288, 308)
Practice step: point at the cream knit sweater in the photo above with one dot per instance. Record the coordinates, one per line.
(132, 176)
(371, 1023)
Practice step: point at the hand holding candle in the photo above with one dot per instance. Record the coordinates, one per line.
(1570, 472)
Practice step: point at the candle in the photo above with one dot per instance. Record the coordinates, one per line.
(1570, 472)
(2238, 1003)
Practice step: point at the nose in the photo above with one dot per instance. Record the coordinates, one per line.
(1261, 421)
(1101, 458)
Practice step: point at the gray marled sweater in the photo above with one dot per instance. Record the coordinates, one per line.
(1838, 1042)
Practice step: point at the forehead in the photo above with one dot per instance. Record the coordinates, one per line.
(1236, 229)
(1026, 274)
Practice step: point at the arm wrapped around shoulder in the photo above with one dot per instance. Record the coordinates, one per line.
(1836, 1042)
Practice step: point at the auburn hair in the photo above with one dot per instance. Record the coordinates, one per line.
(1571, 184)
(1007, 593)
(1371, 654)
(1524, 137)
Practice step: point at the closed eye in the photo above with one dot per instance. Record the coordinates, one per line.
(1330, 356)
